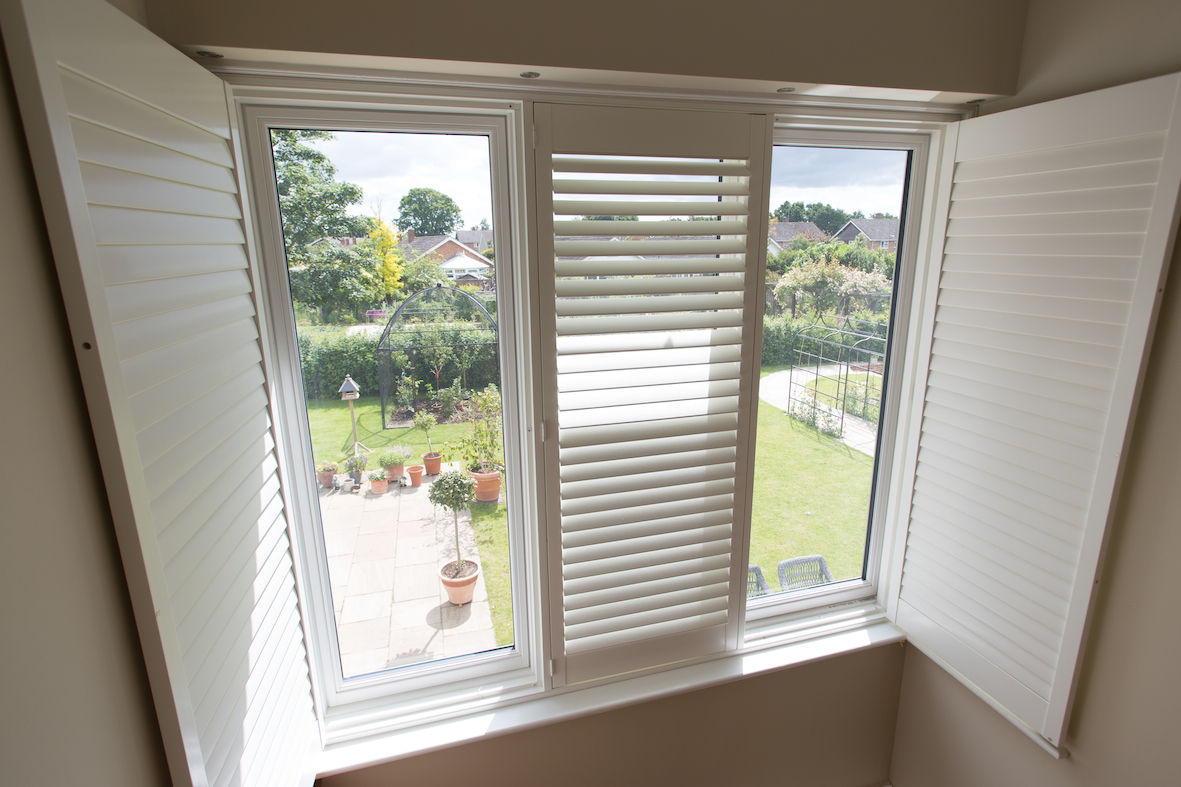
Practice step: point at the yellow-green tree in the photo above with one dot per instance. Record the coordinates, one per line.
(383, 241)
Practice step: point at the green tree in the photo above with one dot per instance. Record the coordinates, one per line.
(790, 211)
(826, 217)
(312, 202)
(337, 279)
(383, 243)
(422, 272)
(610, 218)
(428, 212)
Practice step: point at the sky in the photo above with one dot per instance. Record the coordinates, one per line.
(866, 180)
(387, 165)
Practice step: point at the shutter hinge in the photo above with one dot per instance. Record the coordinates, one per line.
(544, 432)
(553, 666)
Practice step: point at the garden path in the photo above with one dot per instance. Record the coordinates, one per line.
(384, 553)
(860, 435)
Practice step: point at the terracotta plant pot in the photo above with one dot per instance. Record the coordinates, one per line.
(415, 472)
(324, 477)
(460, 591)
(379, 486)
(487, 486)
(394, 472)
(433, 462)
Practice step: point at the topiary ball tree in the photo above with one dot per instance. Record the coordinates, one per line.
(455, 491)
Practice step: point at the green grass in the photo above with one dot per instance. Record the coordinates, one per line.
(332, 435)
(490, 522)
(811, 496)
(831, 389)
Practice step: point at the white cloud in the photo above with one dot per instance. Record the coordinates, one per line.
(870, 181)
(386, 165)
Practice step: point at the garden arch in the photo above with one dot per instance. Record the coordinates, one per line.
(430, 321)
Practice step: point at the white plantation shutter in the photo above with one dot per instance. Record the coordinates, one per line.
(1057, 230)
(131, 144)
(648, 391)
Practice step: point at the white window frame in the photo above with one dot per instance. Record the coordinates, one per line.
(769, 616)
(431, 686)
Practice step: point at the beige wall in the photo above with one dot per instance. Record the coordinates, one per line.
(827, 724)
(954, 45)
(76, 708)
(1125, 726)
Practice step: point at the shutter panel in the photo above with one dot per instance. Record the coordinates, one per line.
(131, 144)
(1057, 229)
(648, 382)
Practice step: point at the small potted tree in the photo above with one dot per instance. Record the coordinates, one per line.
(355, 465)
(456, 491)
(326, 474)
(432, 459)
(378, 483)
(394, 462)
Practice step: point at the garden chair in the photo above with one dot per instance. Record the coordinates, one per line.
(756, 583)
(796, 573)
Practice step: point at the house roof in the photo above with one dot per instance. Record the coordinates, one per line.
(783, 231)
(462, 261)
(477, 239)
(874, 229)
(425, 244)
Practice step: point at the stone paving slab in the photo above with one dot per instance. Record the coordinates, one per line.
(384, 553)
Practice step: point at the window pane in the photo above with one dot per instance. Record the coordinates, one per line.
(398, 341)
(832, 247)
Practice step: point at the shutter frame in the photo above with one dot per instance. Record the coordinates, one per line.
(1127, 115)
(65, 73)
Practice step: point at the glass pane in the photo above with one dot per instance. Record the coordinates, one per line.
(398, 342)
(832, 247)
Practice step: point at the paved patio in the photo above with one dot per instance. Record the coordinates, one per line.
(384, 553)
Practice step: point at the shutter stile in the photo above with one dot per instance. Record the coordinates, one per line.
(649, 344)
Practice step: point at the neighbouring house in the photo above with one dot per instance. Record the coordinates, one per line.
(781, 233)
(456, 257)
(479, 240)
(878, 233)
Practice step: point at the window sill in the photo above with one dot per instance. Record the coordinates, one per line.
(833, 633)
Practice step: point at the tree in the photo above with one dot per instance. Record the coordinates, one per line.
(335, 279)
(435, 345)
(790, 211)
(383, 243)
(826, 217)
(312, 202)
(422, 272)
(610, 218)
(428, 212)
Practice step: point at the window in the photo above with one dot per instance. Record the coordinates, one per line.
(1047, 237)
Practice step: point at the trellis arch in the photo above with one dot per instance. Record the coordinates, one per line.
(459, 318)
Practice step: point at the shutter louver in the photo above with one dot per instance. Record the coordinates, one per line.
(649, 354)
(136, 169)
(1056, 233)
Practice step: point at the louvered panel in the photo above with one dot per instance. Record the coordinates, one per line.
(1085, 417)
(1119, 198)
(203, 343)
(1010, 341)
(141, 299)
(647, 372)
(136, 164)
(1054, 244)
(168, 397)
(1014, 534)
(161, 437)
(1037, 325)
(1065, 493)
(161, 330)
(1057, 287)
(109, 148)
(968, 628)
(1006, 587)
(123, 264)
(1141, 147)
(1064, 181)
(119, 188)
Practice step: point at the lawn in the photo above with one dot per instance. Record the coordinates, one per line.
(864, 393)
(811, 493)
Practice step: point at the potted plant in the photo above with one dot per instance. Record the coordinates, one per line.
(456, 491)
(394, 461)
(432, 459)
(415, 472)
(355, 465)
(325, 474)
(481, 452)
(378, 483)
